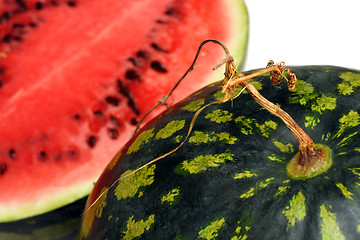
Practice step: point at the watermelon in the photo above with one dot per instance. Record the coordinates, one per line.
(60, 224)
(234, 177)
(77, 76)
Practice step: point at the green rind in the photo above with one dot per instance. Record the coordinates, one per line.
(250, 195)
(239, 25)
(68, 196)
(61, 224)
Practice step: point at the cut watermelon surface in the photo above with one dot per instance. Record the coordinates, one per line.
(76, 77)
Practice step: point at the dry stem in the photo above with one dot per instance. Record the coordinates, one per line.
(234, 78)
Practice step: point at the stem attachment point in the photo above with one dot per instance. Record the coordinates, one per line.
(315, 164)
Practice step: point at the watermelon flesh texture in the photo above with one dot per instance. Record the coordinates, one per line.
(76, 76)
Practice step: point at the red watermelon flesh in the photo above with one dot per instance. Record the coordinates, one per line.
(76, 76)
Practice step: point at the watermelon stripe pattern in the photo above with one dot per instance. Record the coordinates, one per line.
(229, 179)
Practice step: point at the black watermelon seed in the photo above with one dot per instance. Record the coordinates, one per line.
(172, 12)
(42, 155)
(72, 153)
(18, 25)
(3, 168)
(159, 67)
(158, 48)
(114, 121)
(123, 89)
(1, 83)
(161, 21)
(142, 54)
(134, 62)
(2, 70)
(22, 5)
(39, 5)
(126, 92)
(17, 38)
(134, 121)
(98, 114)
(12, 154)
(33, 25)
(76, 117)
(91, 141)
(7, 38)
(71, 3)
(5, 17)
(112, 100)
(134, 107)
(113, 133)
(132, 75)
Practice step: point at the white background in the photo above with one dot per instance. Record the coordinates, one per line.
(303, 32)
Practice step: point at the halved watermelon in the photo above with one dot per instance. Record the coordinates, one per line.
(60, 224)
(76, 76)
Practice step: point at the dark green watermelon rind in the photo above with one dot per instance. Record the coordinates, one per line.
(240, 190)
(60, 224)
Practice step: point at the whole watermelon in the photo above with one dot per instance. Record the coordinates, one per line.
(229, 180)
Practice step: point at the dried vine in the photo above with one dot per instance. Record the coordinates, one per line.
(232, 79)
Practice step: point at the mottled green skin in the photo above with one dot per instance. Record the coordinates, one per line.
(241, 189)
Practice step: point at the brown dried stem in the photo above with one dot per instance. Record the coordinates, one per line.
(306, 144)
(233, 78)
